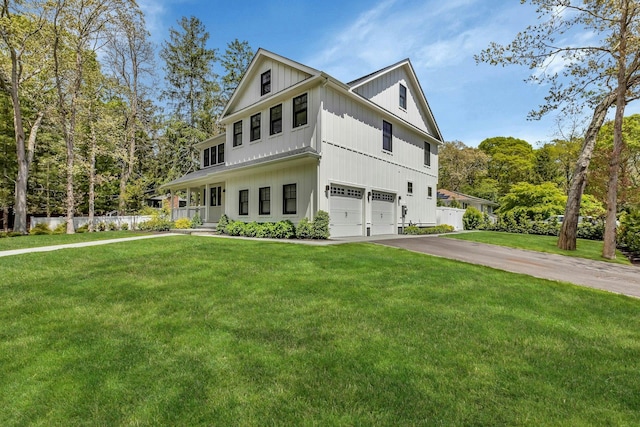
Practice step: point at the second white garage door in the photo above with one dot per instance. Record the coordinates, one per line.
(345, 215)
(382, 213)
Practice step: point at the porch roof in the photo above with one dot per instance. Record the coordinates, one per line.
(215, 171)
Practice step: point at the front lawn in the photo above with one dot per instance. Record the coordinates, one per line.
(23, 242)
(590, 249)
(188, 330)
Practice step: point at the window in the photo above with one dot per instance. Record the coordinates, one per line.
(265, 82)
(276, 119)
(300, 110)
(221, 153)
(205, 157)
(215, 196)
(427, 154)
(237, 133)
(409, 187)
(403, 97)
(243, 206)
(264, 199)
(429, 192)
(289, 199)
(386, 136)
(255, 127)
(214, 158)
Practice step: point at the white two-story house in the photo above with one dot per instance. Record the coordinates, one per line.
(297, 141)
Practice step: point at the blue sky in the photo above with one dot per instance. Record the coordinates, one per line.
(348, 39)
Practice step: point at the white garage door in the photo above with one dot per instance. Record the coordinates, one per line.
(382, 218)
(345, 212)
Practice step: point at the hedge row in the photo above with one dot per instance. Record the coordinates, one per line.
(438, 229)
(317, 229)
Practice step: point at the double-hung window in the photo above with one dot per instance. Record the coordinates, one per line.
(237, 133)
(264, 201)
(220, 153)
(243, 205)
(289, 199)
(255, 127)
(205, 158)
(403, 97)
(265, 82)
(409, 188)
(427, 154)
(275, 119)
(387, 130)
(300, 110)
(429, 192)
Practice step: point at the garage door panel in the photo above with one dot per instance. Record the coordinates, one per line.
(382, 213)
(345, 216)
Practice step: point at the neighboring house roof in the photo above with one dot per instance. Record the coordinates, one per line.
(218, 170)
(460, 197)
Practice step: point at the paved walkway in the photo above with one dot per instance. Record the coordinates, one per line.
(594, 274)
(79, 245)
(602, 275)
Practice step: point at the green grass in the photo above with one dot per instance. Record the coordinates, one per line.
(589, 249)
(190, 330)
(23, 242)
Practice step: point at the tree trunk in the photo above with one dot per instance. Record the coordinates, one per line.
(609, 247)
(20, 207)
(92, 177)
(569, 230)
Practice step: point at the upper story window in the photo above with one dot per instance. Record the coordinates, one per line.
(387, 131)
(255, 127)
(213, 155)
(275, 120)
(427, 154)
(409, 187)
(265, 82)
(289, 197)
(237, 133)
(429, 192)
(403, 96)
(300, 110)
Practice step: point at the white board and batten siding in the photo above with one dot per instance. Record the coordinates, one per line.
(384, 91)
(304, 176)
(352, 156)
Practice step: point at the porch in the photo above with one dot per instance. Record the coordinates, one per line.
(206, 201)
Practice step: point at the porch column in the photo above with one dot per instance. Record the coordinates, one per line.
(207, 197)
(172, 207)
(188, 201)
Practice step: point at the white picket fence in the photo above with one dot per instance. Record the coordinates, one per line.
(450, 216)
(79, 221)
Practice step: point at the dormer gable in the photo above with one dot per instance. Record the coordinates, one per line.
(267, 76)
(397, 90)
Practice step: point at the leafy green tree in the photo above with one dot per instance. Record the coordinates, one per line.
(461, 168)
(511, 160)
(235, 61)
(536, 202)
(597, 73)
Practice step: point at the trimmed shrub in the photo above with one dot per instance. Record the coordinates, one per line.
(156, 224)
(284, 230)
(472, 218)
(304, 230)
(629, 231)
(83, 228)
(222, 223)
(438, 229)
(182, 223)
(234, 228)
(101, 226)
(196, 221)
(250, 229)
(124, 226)
(61, 229)
(320, 225)
(40, 229)
(14, 234)
(112, 226)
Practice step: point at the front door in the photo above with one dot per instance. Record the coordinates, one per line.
(215, 204)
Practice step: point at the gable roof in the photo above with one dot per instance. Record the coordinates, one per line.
(422, 99)
(347, 88)
(461, 197)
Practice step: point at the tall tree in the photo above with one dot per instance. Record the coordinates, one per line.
(22, 28)
(130, 57)
(79, 30)
(189, 73)
(586, 76)
(235, 61)
(462, 168)
(511, 160)
(190, 90)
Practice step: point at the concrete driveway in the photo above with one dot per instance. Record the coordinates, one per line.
(594, 274)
